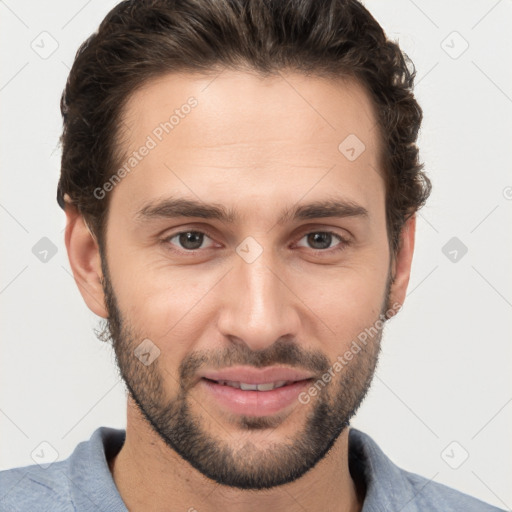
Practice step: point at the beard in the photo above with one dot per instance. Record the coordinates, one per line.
(244, 466)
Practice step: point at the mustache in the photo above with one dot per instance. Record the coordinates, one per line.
(283, 352)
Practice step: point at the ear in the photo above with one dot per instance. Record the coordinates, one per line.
(84, 258)
(401, 264)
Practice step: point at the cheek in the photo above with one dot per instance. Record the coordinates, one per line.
(347, 301)
(162, 301)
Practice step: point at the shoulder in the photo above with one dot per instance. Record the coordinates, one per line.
(389, 487)
(430, 495)
(24, 488)
(80, 482)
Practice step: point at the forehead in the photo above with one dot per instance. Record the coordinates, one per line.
(239, 135)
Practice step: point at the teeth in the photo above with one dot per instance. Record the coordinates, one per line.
(248, 387)
(268, 386)
(264, 387)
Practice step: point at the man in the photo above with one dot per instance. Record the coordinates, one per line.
(240, 180)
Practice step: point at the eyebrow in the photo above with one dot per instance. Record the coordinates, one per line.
(176, 207)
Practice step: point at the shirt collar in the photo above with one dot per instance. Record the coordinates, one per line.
(385, 486)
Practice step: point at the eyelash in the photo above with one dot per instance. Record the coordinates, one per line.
(344, 242)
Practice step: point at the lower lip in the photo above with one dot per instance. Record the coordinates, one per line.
(255, 403)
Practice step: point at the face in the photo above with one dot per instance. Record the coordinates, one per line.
(248, 239)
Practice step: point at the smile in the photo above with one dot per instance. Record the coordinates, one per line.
(244, 386)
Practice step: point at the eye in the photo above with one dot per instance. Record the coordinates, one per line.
(188, 240)
(321, 241)
(194, 240)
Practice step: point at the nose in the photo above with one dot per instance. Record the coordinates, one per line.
(258, 304)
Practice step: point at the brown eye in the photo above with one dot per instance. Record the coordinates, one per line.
(188, 240)
(322, 240)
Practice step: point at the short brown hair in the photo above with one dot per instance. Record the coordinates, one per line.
(142, 39)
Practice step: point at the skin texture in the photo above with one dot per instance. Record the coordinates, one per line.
(255, 146)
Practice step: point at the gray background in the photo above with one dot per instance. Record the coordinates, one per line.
(442, 390)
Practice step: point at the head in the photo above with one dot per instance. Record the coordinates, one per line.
(241, 180)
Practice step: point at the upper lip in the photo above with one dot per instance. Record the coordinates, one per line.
(251, 375)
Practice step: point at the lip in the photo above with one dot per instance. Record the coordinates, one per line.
(251, 375)
(255, 403)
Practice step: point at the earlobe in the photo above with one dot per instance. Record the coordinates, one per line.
(401, 268)
(84, 258)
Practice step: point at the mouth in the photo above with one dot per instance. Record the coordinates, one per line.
(245, 386)
(260, 398)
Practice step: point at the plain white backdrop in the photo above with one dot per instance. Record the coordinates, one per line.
(441, 400)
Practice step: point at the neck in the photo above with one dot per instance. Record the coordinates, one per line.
(151, 476)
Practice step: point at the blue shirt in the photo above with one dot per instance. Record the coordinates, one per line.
(83, 482)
